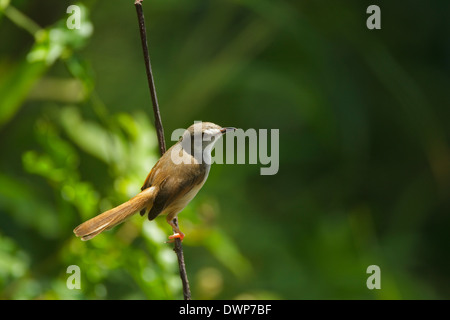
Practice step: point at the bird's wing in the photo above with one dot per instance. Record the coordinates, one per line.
(150, 177)
(162, 165)
(176, 185)
(155, 175)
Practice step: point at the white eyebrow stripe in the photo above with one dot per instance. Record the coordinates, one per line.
(212, 131)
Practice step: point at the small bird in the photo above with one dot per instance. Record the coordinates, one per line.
(171, 184)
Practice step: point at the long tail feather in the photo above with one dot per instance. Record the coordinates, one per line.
(115, 216)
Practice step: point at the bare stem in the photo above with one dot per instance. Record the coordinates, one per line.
(178, 248)
(151, 82)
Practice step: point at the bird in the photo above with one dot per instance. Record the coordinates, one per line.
(172, 183)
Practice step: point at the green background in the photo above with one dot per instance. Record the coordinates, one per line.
(363, 116)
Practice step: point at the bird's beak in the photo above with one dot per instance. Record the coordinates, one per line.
(227, 129)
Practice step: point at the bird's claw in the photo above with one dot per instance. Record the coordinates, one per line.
(175, 236)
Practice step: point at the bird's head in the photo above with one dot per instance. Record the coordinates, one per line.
(201, 136)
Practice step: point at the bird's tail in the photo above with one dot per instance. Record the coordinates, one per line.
(108, 219)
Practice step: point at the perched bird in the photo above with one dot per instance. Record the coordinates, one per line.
(171, 184)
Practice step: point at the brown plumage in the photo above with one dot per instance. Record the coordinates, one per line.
(115, 216)
(169, 186)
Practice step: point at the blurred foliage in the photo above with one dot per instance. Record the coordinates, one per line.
(364, 156)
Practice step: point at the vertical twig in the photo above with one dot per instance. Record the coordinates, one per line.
(151, 82)
(178, 248)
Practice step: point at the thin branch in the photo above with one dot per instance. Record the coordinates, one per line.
(22, 20)
(151, 82)
(178, 248)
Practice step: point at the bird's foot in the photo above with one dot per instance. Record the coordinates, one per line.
(175, 236)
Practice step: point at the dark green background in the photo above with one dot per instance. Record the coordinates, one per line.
(363, 116)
